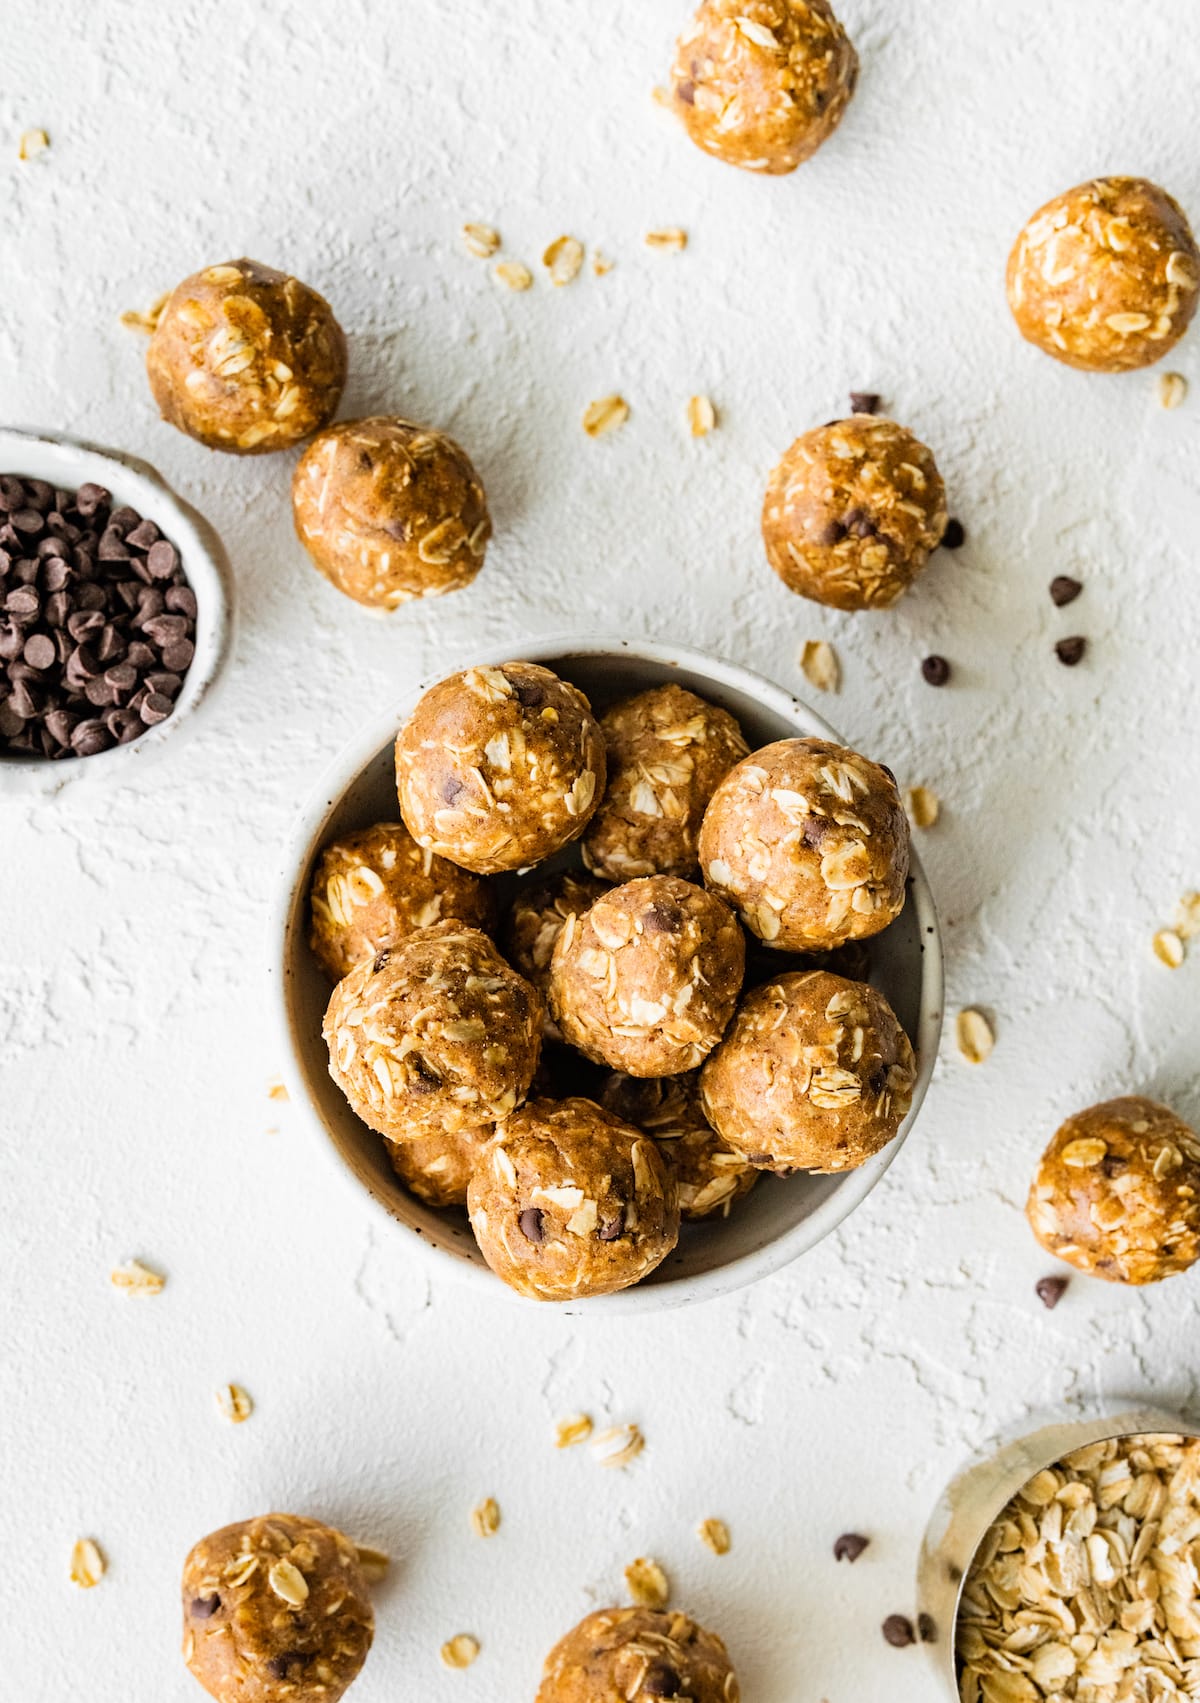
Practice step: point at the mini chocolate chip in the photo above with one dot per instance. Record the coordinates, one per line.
(24, 603)
(661, 1681)
(89, 498)
(935, 670)
(898, 1630)
(181, 599)
(452, 788)
(832, 533)
(860, 524)
(1050, 1291)
(531, 1222)
(424, 1078)
(815, 829)
(610, 1228)
(955, 535)
(282, 1667)
(26, 520)
(1064, 590)
(1112, 1166)
(1070, 651)
(11, 724)
(850, 1546)
(686, 92)
(59, 724)
(381, 959)
(662, 917)
(178, 655)
(143, 535)
(864, 402)
(56, 573)
(162, 559)
(203, 1608)
(156, 708)
(877, 1081)
(40, 651)
(529, 693)
(89, 738)
(926, 1628)
(112, 547)
(397, 529)
(124, 519)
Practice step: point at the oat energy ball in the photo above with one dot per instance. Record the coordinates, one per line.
(631, 1655)
(437, 1168)
(646, 981)
(1117, 1192)
(536, 916)
(569, 1201)
(762, 83)
(1105, 277)
(498, 768)
(390, 511)
(435, 1035)
(247, 359)
(667, 749)
(275, 1607)
(809, 842)
(815, 1075)
(708, 1175)
(374, 888)
(852, 512)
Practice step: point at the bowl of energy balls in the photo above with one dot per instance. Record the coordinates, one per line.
(608, 971)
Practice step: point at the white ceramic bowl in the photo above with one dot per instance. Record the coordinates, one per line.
(69, 463)
(779, 1220)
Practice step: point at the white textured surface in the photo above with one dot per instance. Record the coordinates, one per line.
(347, 142)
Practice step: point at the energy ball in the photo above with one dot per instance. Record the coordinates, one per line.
(1105, 277)
(390, 511)
(708, 1175)
(569, 1201)
(275, 1607)
(762, 83)
(808, 841)
(437, 1168)
(646, 981)
(535, 920)
(638, 1654)
(374, 888)
(1117, 1192)
(852, 512)
(667, 749)
(247, 359)
(815, 1075)
(434, 1036)
(498, 768)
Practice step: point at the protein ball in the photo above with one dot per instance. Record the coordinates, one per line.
(1105, 277)
(667, 749)
(437, 1168)
(390, 511)
(638, 1654)
(247, 359)
(852, 512)
(809, 842)
(498, 768)
(435, 1035)
(274, 1607)
(1117, 1192)
(708, 1175)
(815, 1074)
(762, 83)
(569, 1201)
(647, 979)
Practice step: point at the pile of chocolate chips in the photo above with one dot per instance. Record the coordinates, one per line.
(97, 621)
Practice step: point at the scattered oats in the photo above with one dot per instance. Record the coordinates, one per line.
(461, 1651)
(235, 1403)
(1172, 389)
(33, 143)
(923, 806)
(482, 240)
(701, 416)
(563, 259)
(672, 239)
(714, 1534)
(605, 416)
(513, 275)
(974, 1035)
(619, 1445)
(485, 1519)
(288, 1582)
(87, 1564)
(648, 1585)
(820, 666)
(660, 96)
(1187, 921)
(1168, 948)
(277, 1089)
(134, 1278)
(601, 264)
(374, 1562)
(568, 1432)
(146, 322)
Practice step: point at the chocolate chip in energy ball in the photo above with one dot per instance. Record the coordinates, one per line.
(1050, 1291)
(955, 535)
(1064, 590)
(850, 1546)
(926, 1628)
(898, 1630)
(864, 402)
(935, 670)
(1070, 651)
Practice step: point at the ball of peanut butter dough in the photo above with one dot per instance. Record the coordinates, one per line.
(762, 83)
(437, 1167)
(390, 511)
(815, 1074)
(1105, 277)
(435, 1035)
(809, 842)
(498, 768)
(647, 979)
(373, 888)
(275, 1607)
(568, 1201)
(667, 749)
(710, 1177)
(1117, 1192)
(639, 1655)
(852, 512)
(247, 359)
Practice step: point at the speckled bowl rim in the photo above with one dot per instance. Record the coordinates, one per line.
(71, 462)
(288, 934)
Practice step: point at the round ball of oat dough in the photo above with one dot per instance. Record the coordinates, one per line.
(498, 768)
(536, 916)
(667, 749)
(390, 511)
(1105, 277)
(435, 1035)
(437, 1167)
(708, 1175)
(647, 979)
(815, 1074)
(247, 359)
(852, 511)
(809, 842)
(1117, 1192)
(762, 83)
(275, 1607)
(373, 888)
(639, 1654)
(569, 1201)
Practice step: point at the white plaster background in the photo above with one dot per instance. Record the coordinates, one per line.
(347, 142)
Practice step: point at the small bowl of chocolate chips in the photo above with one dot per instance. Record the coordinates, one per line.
(114, 613)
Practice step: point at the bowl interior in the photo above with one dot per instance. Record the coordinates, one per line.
(780, 1218)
